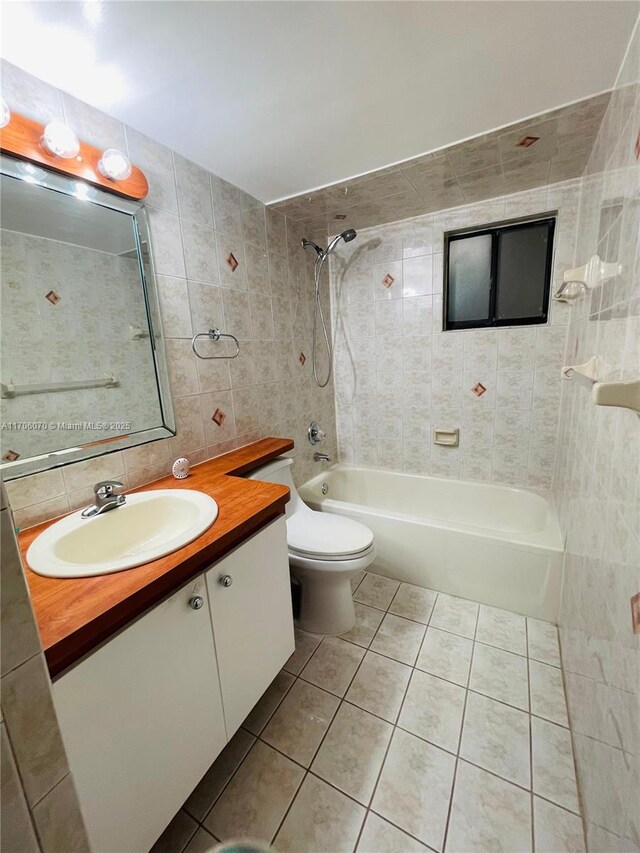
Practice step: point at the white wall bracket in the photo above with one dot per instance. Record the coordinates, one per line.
(624, 394)
(579, 281)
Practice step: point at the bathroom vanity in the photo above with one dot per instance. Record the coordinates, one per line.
(157, 666)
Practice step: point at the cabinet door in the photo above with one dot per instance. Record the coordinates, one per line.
(252, 618)
(142, 721)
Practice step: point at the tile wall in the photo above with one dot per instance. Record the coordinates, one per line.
(263, 295)
(50, 289)
(598, 487)
(40, 811)
(544, 149)
(398, 375)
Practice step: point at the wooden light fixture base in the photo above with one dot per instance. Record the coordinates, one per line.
(21, 139)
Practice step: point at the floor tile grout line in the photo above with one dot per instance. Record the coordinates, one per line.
(533, 829)
(563, 675)
(191, 837)
(394, 725)
(415, 837)
(313, 758)
(445, 837)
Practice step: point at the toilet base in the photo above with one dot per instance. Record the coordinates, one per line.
(326, 605)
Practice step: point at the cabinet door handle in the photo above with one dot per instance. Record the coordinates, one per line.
(226, 580)
(196, 603)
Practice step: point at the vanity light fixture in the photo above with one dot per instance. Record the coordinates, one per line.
(60, 140)
(115, 165)
(5, 113)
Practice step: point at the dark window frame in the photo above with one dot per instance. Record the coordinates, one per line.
(495, 230)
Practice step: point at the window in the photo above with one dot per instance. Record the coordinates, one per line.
(498, 276)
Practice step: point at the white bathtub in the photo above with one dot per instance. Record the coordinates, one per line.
(495, 544)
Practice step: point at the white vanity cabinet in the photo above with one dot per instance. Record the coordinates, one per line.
(142, 720)
(250, 600)
(143, 716)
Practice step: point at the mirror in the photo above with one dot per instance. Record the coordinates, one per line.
(82, 367)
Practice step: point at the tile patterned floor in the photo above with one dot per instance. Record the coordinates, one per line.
(435, 724)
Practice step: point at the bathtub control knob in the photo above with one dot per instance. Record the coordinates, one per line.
(315, 433)
(226, 580)
(196, 603)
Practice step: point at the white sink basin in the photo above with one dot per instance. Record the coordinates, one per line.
(149, 525)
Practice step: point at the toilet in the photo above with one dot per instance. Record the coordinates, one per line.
(325, 552)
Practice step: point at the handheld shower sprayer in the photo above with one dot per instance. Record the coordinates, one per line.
(321, 257)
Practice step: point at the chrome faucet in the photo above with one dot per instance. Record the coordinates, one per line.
(108, 495)
(321, 457)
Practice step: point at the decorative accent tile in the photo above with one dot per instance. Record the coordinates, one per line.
(388, 280)
(218, 417)
(53, 297)
(232, 262)
(302, 358)
(527, 141)
(10, 456)
(478, 389)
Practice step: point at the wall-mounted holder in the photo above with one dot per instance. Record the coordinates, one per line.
(446, 437)
(214, 335)
(623, 394)
(579, 281)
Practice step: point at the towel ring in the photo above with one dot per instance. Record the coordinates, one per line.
(214, 335)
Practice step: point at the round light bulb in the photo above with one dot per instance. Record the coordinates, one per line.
(114, 165)
(5, 113)
(59, 139)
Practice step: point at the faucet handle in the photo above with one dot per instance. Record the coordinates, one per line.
(108, 488)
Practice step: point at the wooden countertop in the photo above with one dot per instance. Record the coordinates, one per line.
(74, 615)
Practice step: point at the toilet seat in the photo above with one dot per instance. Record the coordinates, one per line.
(342, 562)
(327, 536)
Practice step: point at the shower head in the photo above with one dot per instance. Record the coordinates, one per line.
(347, 236)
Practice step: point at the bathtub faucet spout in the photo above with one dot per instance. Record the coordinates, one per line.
(321, 457)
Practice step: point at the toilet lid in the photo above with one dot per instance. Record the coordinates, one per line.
(326, 534)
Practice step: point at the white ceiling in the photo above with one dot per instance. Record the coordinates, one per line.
(282, 97)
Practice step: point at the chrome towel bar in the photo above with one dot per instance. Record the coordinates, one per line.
(214, 335)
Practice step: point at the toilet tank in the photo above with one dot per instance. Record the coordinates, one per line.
(279, 471)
